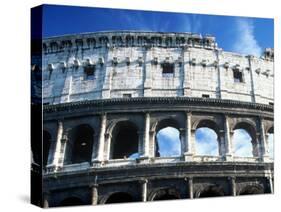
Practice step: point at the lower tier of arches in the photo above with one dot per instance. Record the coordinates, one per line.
(146, 190)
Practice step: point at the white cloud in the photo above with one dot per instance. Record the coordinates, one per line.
(271, 145)
(242, 145)
(246, 42)
(169, 142)
(206, 142)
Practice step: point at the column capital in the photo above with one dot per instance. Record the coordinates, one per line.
(142, 181)
(94, 185)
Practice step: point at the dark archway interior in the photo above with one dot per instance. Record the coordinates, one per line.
(72, 201)
(166, 194)
(211, 191)
(119, 198)
(251, 190)
(46, 146)
(125, 140)
(82, 144)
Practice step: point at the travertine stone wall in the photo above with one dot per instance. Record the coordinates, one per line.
(130, 63)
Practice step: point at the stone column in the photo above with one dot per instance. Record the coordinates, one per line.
(189, 141)
(46, 200)
(152, 144)
(147, 81)
(144, 189)
(264, 156)
(270, 182)
(228, 145)
(146, 136)
(100, 152)
(233, 185)
(190, 187)
(107, 152)
(94, 197)
(222, 143)
(58, 147)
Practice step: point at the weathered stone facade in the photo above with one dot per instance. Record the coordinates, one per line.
(107, 95)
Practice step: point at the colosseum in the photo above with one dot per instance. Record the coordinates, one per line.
(106, 96)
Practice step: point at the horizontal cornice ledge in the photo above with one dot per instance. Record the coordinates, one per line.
(156, 100)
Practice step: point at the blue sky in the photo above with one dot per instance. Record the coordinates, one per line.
(238, 34)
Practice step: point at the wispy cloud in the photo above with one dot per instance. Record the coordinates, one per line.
(206, 142)
(242, 145)
(169, 142)
(271, 145)
(245, 42)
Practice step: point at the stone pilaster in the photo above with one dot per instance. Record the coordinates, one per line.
(233, 186)
(264, 152)
(100, 152)
(144, 189)
(94, 192)
(107, 148)
(46, 200)
(189, 141)
(57, 151)
(190, 187)
(228, 154)
(146, 136)
(270, 182)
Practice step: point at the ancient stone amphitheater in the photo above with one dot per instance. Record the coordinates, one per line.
(107, 94)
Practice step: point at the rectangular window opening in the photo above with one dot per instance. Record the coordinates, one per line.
(127, 95)
(168, 69)
(237, 75)
(89, 72)
(271, 103)
(205, 96)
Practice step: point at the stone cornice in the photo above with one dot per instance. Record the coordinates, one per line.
(157, 100)
(127, 39)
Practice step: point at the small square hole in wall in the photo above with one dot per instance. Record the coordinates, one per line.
(168, 69)
(127, 95)
(89, 72)
(205, 96)
(238, 76)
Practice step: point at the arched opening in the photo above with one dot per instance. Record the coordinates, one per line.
(211, 191)
(71, 201)
(82, 141)
(251, 190)
(119, 197)
(244, 142)
(46, 146)
(206, 138)
(166, 194)
(270, 141)
(125, 141)
(167, 139)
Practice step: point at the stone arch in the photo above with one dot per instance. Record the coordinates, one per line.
(251, 189)
(119, 197)
(47, 138)
(164, 124)
(72, 201)
(210, 191)
(209, 127)
(165, 194)
(248, 127)
(80, 144)
(124, 140)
